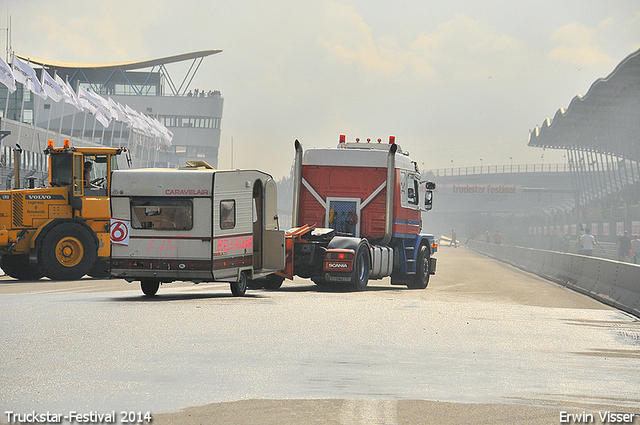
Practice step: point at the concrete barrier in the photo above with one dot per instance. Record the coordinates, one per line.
(612, 282)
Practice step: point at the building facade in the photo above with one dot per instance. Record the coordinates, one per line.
(193, 116)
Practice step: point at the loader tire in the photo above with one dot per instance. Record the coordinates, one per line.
(68, 252)
(18, 267)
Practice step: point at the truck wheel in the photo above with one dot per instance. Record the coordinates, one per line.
(361, 268)
(18, 267)
(68, 252)
(149, 287)
(273, 282)
(240, 287)
(421, 279)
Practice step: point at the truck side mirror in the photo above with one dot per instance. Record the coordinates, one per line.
(428, 200)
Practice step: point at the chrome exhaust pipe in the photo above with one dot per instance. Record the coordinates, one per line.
(391, 178)
(297, 183)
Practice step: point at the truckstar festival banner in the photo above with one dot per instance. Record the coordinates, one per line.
(478, 189)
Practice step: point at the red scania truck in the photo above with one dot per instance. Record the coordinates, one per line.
(357, 215)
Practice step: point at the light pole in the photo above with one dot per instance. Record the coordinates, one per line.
(511, 166)
(480, 165)
(452, 167)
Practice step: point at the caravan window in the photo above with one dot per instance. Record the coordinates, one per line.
(161, 214)
(227, 214)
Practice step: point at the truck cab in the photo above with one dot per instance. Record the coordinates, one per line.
(357, 215)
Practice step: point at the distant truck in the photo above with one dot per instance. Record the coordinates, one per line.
(357, 215)
(195, 224)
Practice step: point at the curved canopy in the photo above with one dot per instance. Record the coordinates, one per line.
(606, 119)
(126, 66)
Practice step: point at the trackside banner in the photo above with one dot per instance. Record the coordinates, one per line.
(479, 189)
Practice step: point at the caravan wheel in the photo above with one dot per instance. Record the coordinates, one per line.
(240, 287)
(149, 287)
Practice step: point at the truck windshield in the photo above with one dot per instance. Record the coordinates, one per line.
(61, 169)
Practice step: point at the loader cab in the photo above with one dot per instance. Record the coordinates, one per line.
(82, 168)
(86, 171)
(87, 174)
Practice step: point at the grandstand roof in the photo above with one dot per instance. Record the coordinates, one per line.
(606, 119)
(126, 66)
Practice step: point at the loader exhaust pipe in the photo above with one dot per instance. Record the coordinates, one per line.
(391, 177)
(297, 183)
(17, 152)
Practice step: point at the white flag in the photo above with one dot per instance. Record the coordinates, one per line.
(70, 96)
(6, 76)
(104, 110)
(87, 101)
(165, 134)
(167, 137)
(138, 122)
(151, 125)
(51, 88)
(94, 104)
(26, 75)
(117, 113)
(127, 118)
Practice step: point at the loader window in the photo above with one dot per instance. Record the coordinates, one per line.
(227, 214)
(97, 176)
(161, 214)
(61, 169)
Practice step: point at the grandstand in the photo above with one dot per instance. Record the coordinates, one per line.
(597, 188)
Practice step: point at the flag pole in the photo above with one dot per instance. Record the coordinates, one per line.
(35, 120)
(73, 118)
(36, 110)
(61, 119)
(51, 106)
(21, 107)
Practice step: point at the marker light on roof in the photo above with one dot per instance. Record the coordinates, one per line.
(357, 140)
(343, 138)
(368, 140)
(392, 140)
(66, 143)
(50, 143)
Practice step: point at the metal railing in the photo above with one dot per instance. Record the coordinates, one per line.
(500, 169)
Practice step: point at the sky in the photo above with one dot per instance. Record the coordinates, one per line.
(459, 82)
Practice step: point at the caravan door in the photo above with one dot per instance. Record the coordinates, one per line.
(273, 240)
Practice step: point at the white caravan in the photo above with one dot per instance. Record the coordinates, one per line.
(195, 224)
